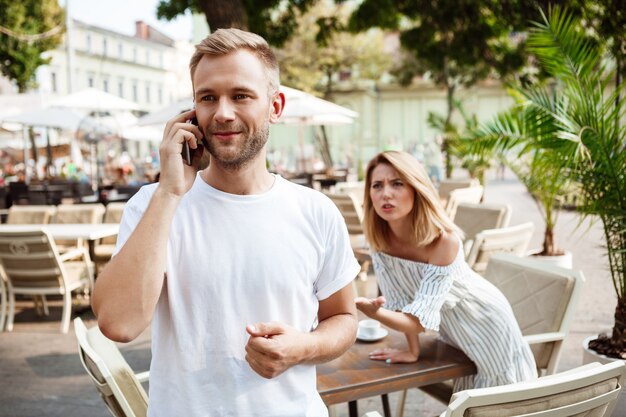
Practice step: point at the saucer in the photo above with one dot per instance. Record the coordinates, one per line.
(380, 333)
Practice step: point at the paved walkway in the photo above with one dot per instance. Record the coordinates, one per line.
(41, 375)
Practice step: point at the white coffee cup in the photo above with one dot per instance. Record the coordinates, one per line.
(369, 328)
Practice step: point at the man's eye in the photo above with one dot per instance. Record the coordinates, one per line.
(241, 96)
(208, 98)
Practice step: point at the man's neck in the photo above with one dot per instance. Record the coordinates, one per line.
(252, 178)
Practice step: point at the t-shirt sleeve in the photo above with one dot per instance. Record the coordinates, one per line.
(339, 266)
(430, 296)
(133, 211)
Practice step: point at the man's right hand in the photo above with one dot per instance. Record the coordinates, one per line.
(176, 177)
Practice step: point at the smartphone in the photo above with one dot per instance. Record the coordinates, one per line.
(187, 152)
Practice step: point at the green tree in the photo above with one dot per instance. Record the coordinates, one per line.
(275, 20)
(310, 60)
(455, 42)
(27, 29)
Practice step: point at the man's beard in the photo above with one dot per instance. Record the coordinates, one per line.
(250, 146)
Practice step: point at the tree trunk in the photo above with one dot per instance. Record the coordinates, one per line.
(222, 14)
(549, 244)
(614, 346)
(445, 146)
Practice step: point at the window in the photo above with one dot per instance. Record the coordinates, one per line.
(160, 95)
(105, 85)
(120, 50)
(88, 43)
(135, 54)
(135, 96)
(53, 82)
(90, 80)
(147, 57)
(161, 60)
(147, 92)
(120, 87)
(104, 46)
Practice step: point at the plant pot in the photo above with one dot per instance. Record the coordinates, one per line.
(562, 261)
(593, 356)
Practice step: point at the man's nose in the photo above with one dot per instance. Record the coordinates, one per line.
(225, 110)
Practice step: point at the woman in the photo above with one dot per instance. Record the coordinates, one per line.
(426, 283)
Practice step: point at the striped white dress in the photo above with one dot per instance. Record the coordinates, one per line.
(469, 312)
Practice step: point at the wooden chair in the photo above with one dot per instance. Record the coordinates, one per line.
(590, 390)
(447, 186)
(30, 214)
(119, 387)
(474, 218)
(513, 239)
(32, 265)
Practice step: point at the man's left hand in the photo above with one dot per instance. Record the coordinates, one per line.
(273, 348)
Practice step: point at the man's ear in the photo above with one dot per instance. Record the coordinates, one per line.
(277, 106)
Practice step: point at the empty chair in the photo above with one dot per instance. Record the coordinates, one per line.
(471, 195)
(76, 213)
(355, 188)
(447, 186)
(104, 249)
(590, 390)
(352, 213)
(31, 265)
(3, 303)
(544, 300)
(474, 218)
(513, 239)
(30, 214)
(119, 387)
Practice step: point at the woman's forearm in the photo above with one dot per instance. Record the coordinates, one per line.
(402, 322)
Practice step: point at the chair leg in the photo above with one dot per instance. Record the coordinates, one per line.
(3, 305)
(401, 402)
(44, 304)
(67, 312)
(11, 311)
(386, 409)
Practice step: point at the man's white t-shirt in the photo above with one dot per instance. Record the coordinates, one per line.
(234, 260)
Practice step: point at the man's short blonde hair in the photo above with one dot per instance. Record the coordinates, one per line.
(429, 218)
(224, 41)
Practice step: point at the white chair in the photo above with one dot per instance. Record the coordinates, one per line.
(104, 249)
(119, 387)
(474, 218)
(544, 300)
(76, 213)
(446, 186)
(471, 195)
(31, 265)
(590, 390)
(513, 239)
(30, 214)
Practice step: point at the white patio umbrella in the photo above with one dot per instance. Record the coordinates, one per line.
(48, 117)
(93, 99)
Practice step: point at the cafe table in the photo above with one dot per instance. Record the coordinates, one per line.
(89, 232)
(354, 376)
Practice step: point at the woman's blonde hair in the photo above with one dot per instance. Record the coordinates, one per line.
(224, 41)
(428, 214)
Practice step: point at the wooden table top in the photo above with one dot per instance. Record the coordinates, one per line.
(354, 376)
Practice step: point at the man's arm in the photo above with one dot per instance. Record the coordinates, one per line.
(128, 289)
(275, 347)
(129, 286)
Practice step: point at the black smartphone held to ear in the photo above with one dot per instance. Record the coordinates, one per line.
(187, 152)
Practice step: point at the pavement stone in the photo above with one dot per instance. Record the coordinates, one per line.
(41, 374)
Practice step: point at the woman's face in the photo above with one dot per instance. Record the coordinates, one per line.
(391, 197)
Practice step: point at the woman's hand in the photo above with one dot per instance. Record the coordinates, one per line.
(369, 306)
(390, 355)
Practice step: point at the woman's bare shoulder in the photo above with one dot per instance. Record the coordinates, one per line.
(444, 249)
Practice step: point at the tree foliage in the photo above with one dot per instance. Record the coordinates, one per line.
(20, 50)
(309, 60)
(275, 20)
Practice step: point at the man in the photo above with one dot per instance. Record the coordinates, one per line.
(252, 262)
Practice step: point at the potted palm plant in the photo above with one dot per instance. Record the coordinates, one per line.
(582, 112)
